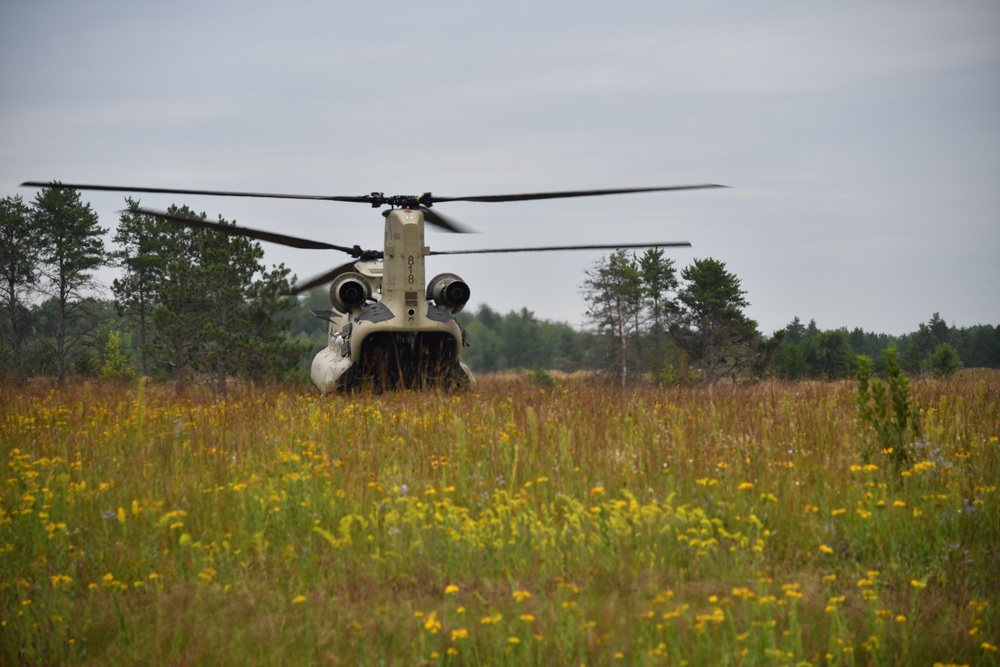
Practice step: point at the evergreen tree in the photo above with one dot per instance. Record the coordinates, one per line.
(523, 346)
(266, 316)
(713, 329)
(811, 331)
(72, 248)
(795, 331)
(789, 362)
(614, 289)
(116, 365)
(659, 281)
(219, 311)
(979, 346)
(919, 347)
(19, 260)
(943, 361)
(144, 246)
(938, 328)
(829, 355)
(856, 339)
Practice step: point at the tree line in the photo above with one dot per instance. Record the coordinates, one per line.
(647, 321)
(196, 303)
(189, 301)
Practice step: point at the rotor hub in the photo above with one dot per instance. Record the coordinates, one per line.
(377, 199)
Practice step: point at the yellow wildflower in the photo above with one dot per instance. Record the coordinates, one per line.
(432, 624)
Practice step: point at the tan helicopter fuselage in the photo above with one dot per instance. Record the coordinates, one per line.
(401, 335)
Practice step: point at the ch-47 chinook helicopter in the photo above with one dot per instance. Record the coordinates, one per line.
(388, 327)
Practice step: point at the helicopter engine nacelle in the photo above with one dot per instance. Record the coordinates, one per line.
(448, 291)
(349, 291)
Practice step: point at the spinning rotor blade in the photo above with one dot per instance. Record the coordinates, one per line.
(234, 230)
(616, 246)
(321, 279)
(441, 221)
(574, 193)
(376, 199)
(422, 202)
(364, 199)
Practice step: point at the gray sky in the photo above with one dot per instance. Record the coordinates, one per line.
(861, 140)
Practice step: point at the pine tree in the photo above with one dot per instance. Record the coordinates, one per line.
(659, 280)
(72, 248)
(144, 246)
(944, 361)
(713, 329)
(828, 355)
(614, 289)
(219, 311)
(19, 260)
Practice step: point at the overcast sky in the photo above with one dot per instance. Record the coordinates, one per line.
(860, 140)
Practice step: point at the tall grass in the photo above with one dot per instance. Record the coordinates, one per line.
(743, 525)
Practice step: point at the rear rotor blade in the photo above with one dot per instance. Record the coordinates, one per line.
(574, 193)
(443, 222)
(616, 246)
(321, 279)
(234, 230)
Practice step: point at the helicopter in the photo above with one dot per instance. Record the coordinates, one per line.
(388, 326)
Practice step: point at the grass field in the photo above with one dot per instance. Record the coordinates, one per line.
(752, 524)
